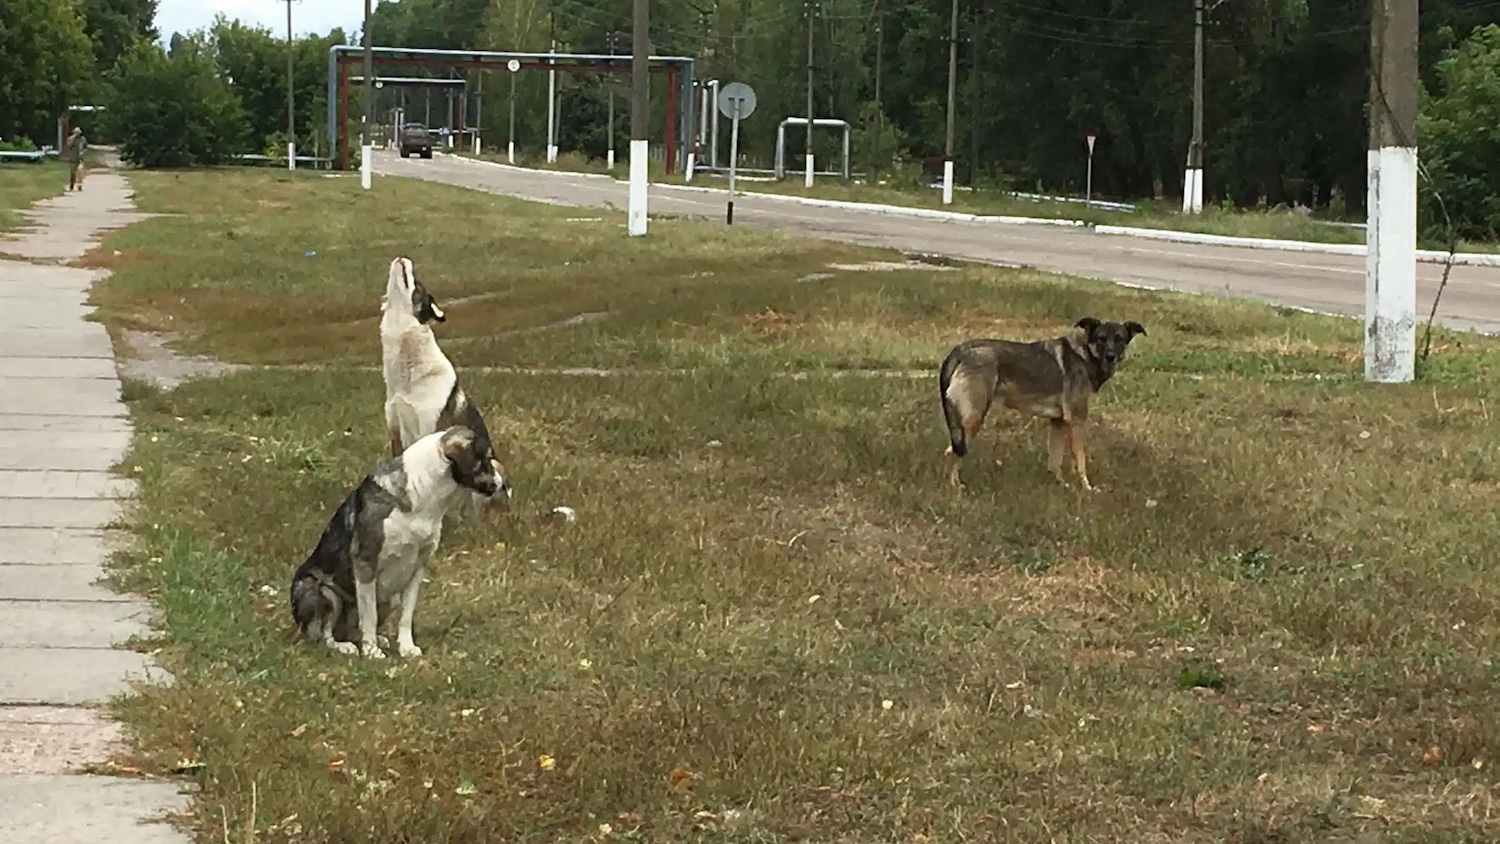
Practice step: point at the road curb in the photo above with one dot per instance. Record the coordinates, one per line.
(877, 208)
(894, 210)
(1426, 256)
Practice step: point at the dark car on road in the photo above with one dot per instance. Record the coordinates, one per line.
(415, 139)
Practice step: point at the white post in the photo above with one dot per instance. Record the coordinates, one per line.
(1391, 227)
(807, 179)
(610, 157)
(948, 182)
(1192, 191)
(639, 168)
(476, 143)
(366, 165)
(1391, 265)
(510, 152)
(734, 155)
(291, 155)
(688, 174)
(552, 109)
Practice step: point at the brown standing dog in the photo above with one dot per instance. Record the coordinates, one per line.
(1051, 378)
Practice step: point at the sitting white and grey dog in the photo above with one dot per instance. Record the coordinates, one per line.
(422, 394)
(371, 558)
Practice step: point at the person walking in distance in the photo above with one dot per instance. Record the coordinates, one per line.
(73, 154)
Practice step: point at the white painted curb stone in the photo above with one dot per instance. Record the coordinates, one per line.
(1428, 256)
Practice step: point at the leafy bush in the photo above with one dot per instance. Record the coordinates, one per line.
(21, 144)
(1459, 139)
(173, 110)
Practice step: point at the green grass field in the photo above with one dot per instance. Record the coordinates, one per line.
(23, 183)
(773, 621)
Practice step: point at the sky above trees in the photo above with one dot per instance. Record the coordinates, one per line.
(308, 16)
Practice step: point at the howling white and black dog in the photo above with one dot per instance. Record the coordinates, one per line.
(422, 394)
(372, 555)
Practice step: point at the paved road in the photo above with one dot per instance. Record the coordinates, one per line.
(62, 428)
(1322, 282)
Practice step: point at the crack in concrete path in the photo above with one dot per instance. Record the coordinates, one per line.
(62, 429)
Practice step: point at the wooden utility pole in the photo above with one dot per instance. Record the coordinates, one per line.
(640, 116)
(952, 87)
(1192, 183)
(1391, 230)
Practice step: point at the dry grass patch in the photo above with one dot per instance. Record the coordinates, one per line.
(772, 619)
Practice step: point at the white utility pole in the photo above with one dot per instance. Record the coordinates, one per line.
(1192, 182)
(640, 116)
(1391, 230)
(552, 107)
(367, 147)
(952, 88)
(291, 108)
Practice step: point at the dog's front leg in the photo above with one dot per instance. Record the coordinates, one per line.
(364, 595)
(404, 645)
(1057, 448)
(330, 623)
(1075, 443)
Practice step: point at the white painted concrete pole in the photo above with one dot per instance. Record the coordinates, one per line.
(952, 89)
(1391, 230)
(1192, 182)
(367, 143)
(552, 111)
(640, 116)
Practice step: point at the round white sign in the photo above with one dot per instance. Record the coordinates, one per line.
(737, 94)
(513, 65)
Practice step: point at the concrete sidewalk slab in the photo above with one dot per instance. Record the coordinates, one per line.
(62, 397)
(71, 676)
(53, 739)
(63, 429)
(54, 342)
(33, 422)
(72, 624)
(84, 513)
(24, 367)
(60, 483)
(88, 810)
(47, 546)
(56, 583)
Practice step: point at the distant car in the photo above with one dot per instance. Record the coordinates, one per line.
(415, 139)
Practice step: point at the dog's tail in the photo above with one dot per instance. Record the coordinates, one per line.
(956, 437)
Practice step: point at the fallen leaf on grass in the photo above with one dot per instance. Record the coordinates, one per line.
(546, 762)
(1433, 756)
(682, 779)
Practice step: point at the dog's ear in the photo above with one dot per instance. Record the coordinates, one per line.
(455, 441)
(425, 306)
(433, 311)
(1135, 328)
(1088, 324)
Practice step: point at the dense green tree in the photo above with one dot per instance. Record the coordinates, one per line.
(114, 25)
(1460, 137)
(174, 109)
(45, 61)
